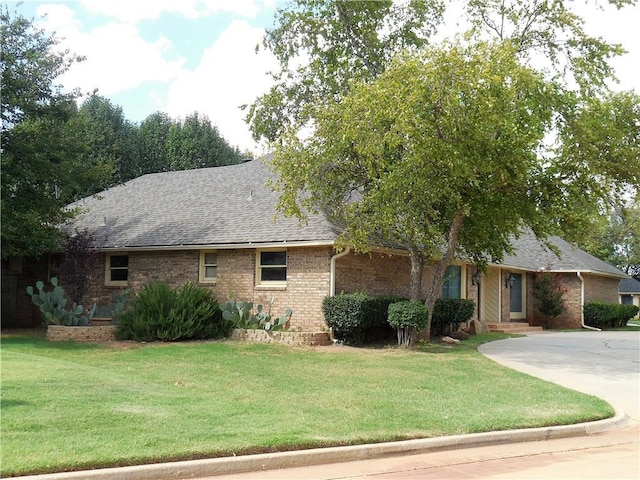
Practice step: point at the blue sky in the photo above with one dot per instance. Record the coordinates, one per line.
(180, 56)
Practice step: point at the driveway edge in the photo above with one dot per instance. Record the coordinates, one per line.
(318, 456)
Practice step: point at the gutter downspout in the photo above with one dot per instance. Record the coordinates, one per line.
(582, 305)
(332, 280)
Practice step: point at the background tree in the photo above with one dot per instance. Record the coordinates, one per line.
(110, 138)
(196, 143)
(153, 137)
(42, 149)
(615, 237)
(322, 46)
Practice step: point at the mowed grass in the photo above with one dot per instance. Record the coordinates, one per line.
(69, 406)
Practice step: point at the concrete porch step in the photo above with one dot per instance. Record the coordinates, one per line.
(513, 327)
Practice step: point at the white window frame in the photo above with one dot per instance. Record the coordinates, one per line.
(204, 265)
(109, 269)
(260, 267)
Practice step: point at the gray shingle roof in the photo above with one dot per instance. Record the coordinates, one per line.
(629, 285)
(531, 254)
(231, 205)
(209, 206)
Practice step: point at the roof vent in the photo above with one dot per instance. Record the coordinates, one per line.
(250, 197)
(104, 222)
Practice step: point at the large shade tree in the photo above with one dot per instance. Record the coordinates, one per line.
(43, 150)
(453, 151)
(324, 45)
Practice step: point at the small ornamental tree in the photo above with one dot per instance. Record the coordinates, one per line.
(407, 318)
(548, 294)
(77, 264)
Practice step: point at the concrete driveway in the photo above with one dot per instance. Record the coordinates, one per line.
(604, 364)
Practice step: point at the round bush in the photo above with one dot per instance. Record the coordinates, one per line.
(408, 315)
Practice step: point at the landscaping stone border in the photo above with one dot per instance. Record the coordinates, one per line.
(310, 339)
(107, 333)
(61, 333)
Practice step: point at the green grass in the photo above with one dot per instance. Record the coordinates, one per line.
(68, 406)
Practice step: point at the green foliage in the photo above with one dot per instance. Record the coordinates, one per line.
(357, 318)
(615, 236)
(159, 312)
(41, 140)
(608, 315)
(239, 313)
(114, 309)
(196, 143)
(348, 314)
(449, 313)
(53, 305)
(407, 318)
(548, 294)
(343, 41)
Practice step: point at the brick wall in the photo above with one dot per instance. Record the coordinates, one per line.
(596, 287)
(602, 289)
(308, 280)
(373, 274)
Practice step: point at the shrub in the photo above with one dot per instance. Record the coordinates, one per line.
(347, 314)
(378, 310)
(448, 313)
(608, 315)
(407, 317)
(159, 312)
(357, 318)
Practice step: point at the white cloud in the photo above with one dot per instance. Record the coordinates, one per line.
(117, 58)
(135, 10)
(230, 74)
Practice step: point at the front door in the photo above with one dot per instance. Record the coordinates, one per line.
(490, 296)
(517, 299)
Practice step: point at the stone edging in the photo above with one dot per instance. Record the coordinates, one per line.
(107, 333)
(61, 333)
(310, 339)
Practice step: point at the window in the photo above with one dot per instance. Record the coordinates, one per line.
(208, 267)
(117, 269)
(271, 267)
(452, 286)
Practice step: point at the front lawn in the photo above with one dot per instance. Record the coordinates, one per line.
(69, 406)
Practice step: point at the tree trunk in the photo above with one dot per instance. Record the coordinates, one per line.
(434, 284)
(417, 265)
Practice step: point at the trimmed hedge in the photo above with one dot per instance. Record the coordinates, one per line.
(448, 313)
(159, 312)
(608, 315)
(408, 315)
(357, 318)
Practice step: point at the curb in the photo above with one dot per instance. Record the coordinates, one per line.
(318, 456)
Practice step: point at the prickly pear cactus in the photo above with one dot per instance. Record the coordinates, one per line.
(53, 304)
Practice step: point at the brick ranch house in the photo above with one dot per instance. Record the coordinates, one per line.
(217, 227)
